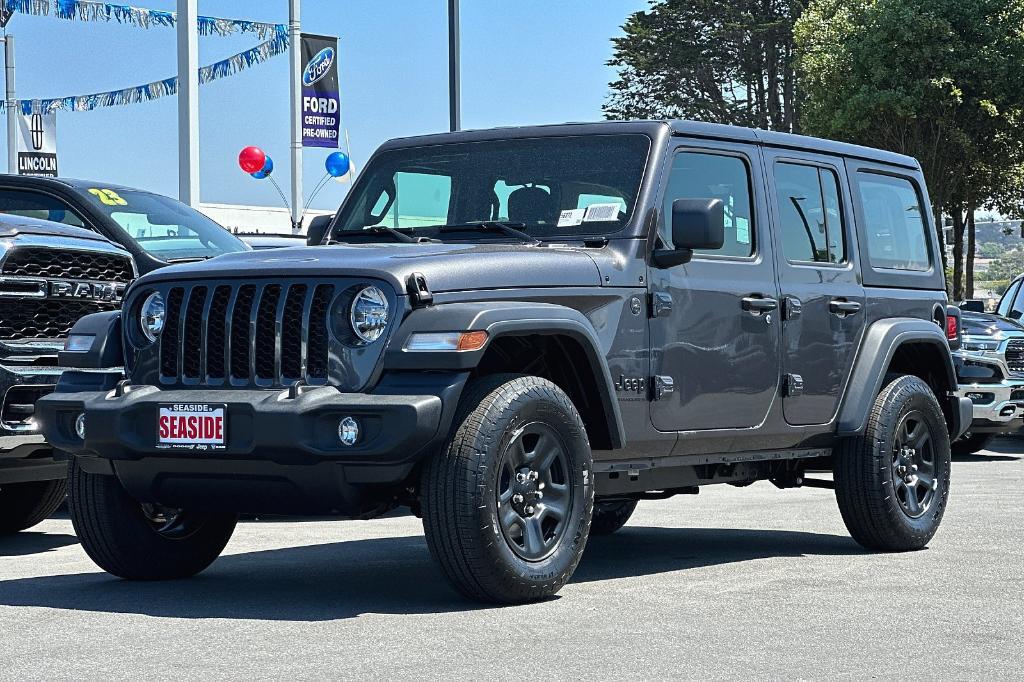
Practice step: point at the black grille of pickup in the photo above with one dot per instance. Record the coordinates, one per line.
(34, 318)
(29, 261)
(1015, 355)
(269, 334)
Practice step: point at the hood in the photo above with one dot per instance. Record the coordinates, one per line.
(13, 226)
(985, 324)
(446, 266)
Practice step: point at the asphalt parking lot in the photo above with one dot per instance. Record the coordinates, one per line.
(732, 582)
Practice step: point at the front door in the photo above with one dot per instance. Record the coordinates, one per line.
(822, 297)
(719, 341)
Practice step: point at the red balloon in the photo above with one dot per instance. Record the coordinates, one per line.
(251, 159)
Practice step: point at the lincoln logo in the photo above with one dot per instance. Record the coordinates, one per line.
(36, 127)
(92, 291)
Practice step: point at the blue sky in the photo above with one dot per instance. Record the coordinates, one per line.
(523, 62)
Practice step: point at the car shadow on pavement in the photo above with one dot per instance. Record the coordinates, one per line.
(25, 543)
(386, 575)
(976, 457)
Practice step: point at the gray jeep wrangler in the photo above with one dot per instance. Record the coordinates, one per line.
(520, 333)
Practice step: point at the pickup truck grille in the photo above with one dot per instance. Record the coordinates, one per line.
(32, 318)
(1015, 355)
(241, 334)
(68, 264)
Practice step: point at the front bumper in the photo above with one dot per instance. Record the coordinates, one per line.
(24, 454)
(997, 407)
(281, 453)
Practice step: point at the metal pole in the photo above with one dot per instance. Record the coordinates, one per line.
(12, 106)
(454, 85)
(295, 52)
(188, 102)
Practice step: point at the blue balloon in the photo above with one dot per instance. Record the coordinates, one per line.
(337, 164)
(268, 168)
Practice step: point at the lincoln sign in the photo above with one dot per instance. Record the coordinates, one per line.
(37, 144)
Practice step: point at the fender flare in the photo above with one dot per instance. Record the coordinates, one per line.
(881, 341)
(498, 319)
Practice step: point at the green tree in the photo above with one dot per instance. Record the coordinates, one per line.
(725, 62)
(939, 80)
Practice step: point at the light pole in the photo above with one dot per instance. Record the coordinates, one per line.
(295, 52)
(188, 102)
(12, 106)
(454, 84)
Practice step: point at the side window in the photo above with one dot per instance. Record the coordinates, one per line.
(417, 199)
(1008, 296)
(1017, 307)
(810, 218)
(701, 175)
(36, 205)
(894, 221)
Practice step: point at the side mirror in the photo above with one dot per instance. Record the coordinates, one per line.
(317, 229)
(973, 305)
(696, 224)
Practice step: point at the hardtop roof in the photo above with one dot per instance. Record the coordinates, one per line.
(699, 129)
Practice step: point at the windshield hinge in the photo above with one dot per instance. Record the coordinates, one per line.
(419, 293)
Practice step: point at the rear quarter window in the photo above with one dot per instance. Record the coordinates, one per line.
(894, 221)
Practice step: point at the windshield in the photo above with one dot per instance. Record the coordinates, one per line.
(163, 227)
(546, 187)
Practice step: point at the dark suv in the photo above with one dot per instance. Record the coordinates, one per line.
(520, 333)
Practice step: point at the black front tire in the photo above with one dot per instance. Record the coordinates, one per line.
(123, 539)
(611, 516)
(892, 482)
(468, 491)
(972, 443)
(23, 505)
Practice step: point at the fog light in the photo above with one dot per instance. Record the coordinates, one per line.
(79, 343)
(348, 431)
(80, 426)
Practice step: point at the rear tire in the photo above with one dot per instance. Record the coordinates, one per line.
(972, 443)
(137, 542)
(23, 505)
(507, 504)
(611, 516)
(892, 482)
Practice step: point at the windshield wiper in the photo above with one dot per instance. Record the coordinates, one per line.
(510, 229)
(378, 229)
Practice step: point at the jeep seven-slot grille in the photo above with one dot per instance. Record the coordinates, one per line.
(246, 334)
(1015, 355)
(67, 264)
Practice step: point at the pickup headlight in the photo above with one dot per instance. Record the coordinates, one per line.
(369, 314)
(980, 345)
(152, 316)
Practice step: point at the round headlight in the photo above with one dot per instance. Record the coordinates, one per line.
(152, 315)
(369, 314)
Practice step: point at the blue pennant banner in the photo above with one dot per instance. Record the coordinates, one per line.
(88, 10)
(162, 88)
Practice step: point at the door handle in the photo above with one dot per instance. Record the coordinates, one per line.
(758, 304)
(841, 307)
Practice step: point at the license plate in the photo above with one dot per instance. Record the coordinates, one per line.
(192, 426)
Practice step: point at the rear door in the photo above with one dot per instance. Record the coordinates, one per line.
(715, 334)
(822, 297)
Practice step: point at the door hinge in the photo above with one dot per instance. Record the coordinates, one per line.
(663, 386)
(660, 304)
(791, 308)
(792, 385)
(419, 292)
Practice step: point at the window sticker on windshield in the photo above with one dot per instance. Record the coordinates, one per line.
(601, 213)
(571, 217)
(742, 230)
(108, 196)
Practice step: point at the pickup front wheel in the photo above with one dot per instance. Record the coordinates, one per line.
(23, 505)
(892, 482)
(507, 504)
(141, 541)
